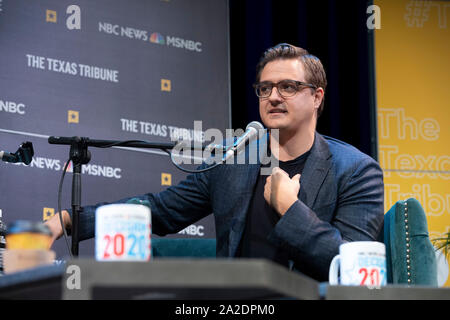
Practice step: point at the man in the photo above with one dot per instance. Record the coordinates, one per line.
(323, 193)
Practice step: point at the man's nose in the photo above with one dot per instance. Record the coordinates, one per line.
(275, 96)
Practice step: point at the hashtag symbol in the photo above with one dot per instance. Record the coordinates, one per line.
(417, 12)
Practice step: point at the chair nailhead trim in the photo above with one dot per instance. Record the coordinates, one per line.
(408, 261)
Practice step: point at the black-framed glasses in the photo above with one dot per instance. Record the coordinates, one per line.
(285, 88)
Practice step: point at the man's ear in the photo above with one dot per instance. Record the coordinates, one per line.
(318, 97)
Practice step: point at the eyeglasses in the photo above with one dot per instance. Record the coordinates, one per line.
(285, 88)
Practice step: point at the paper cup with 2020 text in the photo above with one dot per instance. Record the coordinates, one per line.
(359, 263)
(123, 232)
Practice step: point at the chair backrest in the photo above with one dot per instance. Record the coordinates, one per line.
(184, 247)
(410, 256)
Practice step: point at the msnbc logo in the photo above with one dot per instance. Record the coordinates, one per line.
(157, 38)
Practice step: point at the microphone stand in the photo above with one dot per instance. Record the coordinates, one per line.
(79, 155)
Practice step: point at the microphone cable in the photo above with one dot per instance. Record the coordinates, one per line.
(61, 181)
(188, 170)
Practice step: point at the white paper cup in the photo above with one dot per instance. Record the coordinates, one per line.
(359, 263)
(123, 233)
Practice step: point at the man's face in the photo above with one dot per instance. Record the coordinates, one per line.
(290, 114)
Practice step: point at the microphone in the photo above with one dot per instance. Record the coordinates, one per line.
(63, 140)
(8, 157)
(216, 148)
(254, 130)
(23, 154)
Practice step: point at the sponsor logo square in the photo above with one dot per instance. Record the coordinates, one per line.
(166, 85)
(47, 213)
(50, 16)
(73, 116)
(166, 179)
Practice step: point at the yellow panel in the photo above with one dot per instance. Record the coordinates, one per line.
(412, 57)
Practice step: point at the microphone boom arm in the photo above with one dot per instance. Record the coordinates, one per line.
(79, 154)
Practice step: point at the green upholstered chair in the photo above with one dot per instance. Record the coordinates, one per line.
(180, 247)
(184, 247)
(410, 256)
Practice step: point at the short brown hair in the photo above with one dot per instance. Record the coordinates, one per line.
(314, 71)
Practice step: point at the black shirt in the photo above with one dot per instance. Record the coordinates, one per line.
(261, 219)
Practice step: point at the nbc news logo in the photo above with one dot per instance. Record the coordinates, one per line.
(156, 37)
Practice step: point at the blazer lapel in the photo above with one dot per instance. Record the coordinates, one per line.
(316, 169)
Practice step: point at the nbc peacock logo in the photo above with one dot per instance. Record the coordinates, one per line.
(69, 167)
(156, 37)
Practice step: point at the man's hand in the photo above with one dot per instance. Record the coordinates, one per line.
(280, 191)
(55, 225)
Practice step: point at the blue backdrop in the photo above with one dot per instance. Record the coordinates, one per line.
(116, 70)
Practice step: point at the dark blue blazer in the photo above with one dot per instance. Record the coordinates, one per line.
(340, 199)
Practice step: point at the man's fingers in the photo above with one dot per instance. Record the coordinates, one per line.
(268, 189)
(279, 172)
